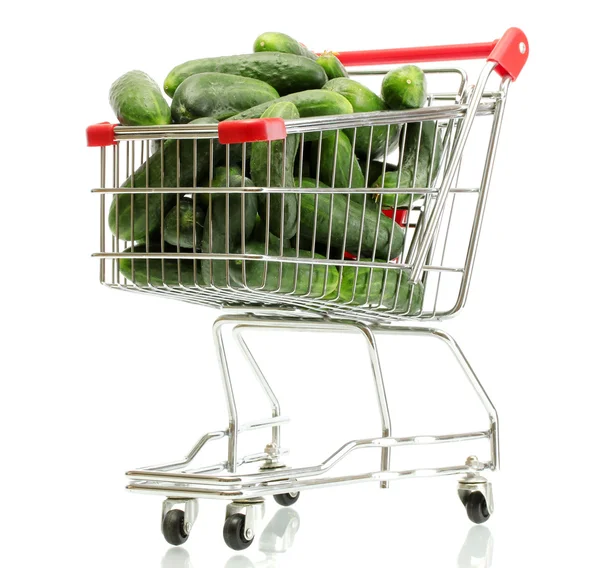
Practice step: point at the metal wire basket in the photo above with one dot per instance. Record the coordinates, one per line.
(350, 248)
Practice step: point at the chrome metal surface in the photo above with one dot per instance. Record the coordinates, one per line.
(346, 268)
(226, 481)
(291, 278)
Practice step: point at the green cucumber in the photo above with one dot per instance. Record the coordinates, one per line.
(221, 237)
(374, 169)
(427, 135)
(259, 235)
(185, 218)
(286, 277)
(405, 87)
(159, 272)
(309, 103)
(379, 287)
(363, 99)
(332, 65)
(149, 175)
(281, 155)
(303, 239)
(275, 41)
(286, 72)
(337, 168)
(137, 101)
(380, 234)
(219, 95)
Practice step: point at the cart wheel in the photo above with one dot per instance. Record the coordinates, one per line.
(173, 527)
(477, 509)
(287, 499)
(234, 532)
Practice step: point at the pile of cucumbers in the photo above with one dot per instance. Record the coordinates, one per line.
(281, 78)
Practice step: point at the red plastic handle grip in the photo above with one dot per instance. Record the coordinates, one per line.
(101, 134)
(510, 53)
(253, 130)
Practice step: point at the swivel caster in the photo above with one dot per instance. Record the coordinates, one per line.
(287, 499)
(241, 522)
(177, 523)
(235, 533)
(475, 493)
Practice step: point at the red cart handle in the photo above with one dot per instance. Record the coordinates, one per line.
(510, 53)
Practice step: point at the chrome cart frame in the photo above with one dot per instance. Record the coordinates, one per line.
(428, 218)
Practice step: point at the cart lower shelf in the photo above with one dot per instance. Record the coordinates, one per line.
(183, 485)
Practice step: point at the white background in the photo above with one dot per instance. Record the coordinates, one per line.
(96, 382)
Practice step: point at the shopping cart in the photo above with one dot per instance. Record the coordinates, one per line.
(358, 259)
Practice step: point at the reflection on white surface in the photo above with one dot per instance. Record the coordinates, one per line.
(277, 538)
(478, 549)
(279, 534)
(176, 557)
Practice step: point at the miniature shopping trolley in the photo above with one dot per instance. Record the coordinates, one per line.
(323, 253)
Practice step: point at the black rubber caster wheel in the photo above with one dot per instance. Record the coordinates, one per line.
(173, 528)
(286, 499)
(477, 509)
(234, 532)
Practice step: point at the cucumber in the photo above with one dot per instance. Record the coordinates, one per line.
(150, 173)
(363, 99)
(186, 219)
(304, 166)
(380, 234)
(277, 203)
(332, 65)
(374, 169)
(226, 239)
(219, 95)
(285, 72)
(159, 272)
(405, 87)
(348, 172)
(274, 41)
(303, 239)
(137, 101)
(259, 235)
(424, 163)
(286, 277)
(379, 287)
(308, 103)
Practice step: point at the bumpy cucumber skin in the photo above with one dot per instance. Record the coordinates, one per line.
(345, 161)
(423, 163)
(372, 238)
(137, 101)
(172, 270)
(404, 88)
(332, 65)
(214, 225)
(220, 95)
(356, 290)
(279, 177)
(259, 235)
(363, 99)
(295, 278)
(283, 43)
(153, 165)
(374, 169)
(316, 102)
(187, 219)
(285, 72)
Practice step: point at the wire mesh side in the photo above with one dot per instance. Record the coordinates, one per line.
(188, 221)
